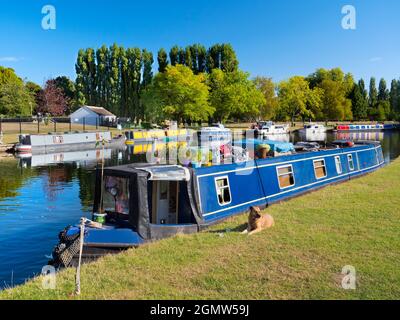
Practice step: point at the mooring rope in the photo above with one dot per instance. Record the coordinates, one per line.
(78, 269)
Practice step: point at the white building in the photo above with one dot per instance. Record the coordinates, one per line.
(92, 116)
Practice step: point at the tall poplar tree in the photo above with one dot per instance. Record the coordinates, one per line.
(102, 57)
(201, 58)
(162, 60)
(395, 97)
(114, 79)
(174, 55)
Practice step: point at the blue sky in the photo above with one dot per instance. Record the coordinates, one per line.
(272, 38)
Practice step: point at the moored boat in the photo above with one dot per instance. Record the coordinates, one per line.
(141, 203)
(70, 141)
(367, 127)
(313, 128)
(142, 136)
(267, 128)
(215, 133)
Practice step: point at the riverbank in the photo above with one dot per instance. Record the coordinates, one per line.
(316, 235)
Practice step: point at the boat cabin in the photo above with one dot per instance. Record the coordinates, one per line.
(146, 198)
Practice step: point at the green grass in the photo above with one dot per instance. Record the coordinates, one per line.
(356, 223)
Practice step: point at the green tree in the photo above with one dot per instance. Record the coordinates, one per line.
(384, 110)
(335, 104)
(124, 99)
(213, 58)
(15, 100)
(92, 81)
(102, 58)
(16, 97)
(114, 78)
(234, 95)
(383, 92)
(359, 101)
(162, 60)
(135, 67)
(81, 85)
(337, 89)
(296, 97)
(394, 97)
(267, 87)
(373, 98)
(201, 58)
(34, 90)
(180, 94)
(189, 59)
(8, 75)
(66, 85)
(147, 77)
(174, 55)
(229, 62)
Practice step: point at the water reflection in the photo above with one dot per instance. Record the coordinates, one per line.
(307, 135)
(86, 158)
(375, 136)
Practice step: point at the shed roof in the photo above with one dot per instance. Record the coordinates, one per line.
(99, 110)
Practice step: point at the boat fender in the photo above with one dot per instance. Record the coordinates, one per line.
(69, 234)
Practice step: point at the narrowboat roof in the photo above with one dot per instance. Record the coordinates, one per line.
(156, 172)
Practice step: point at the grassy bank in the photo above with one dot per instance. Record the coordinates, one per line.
(356, 223)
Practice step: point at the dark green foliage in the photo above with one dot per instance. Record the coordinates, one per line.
(16, 97)
(359, 101)
(394, 97)
(174, 55)
(115, 78)
(162, 59)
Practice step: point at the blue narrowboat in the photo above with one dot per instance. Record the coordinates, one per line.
(143, 203)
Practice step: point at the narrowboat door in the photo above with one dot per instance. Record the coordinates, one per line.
(165, 202)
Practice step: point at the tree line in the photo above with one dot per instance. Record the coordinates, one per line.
(117, 78)
(194, 84)
(333, 95)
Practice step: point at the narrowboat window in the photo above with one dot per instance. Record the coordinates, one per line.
(223, 191)
(351, 162)
(320, 169)
(116, 195)
(285, 176)
(338, 163)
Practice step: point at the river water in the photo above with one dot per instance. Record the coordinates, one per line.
(39, 196)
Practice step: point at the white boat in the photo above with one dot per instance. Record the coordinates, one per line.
(314, 128)
(265, 128)
(215, 133)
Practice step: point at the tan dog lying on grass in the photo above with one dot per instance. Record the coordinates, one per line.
(258, 222)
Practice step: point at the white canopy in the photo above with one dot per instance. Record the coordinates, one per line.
(168, 173)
